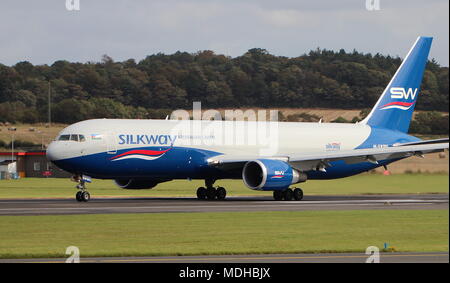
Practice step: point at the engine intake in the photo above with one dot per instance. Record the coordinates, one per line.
(270, 175)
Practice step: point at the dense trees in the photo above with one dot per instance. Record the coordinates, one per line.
(132, 89)
(430, 123)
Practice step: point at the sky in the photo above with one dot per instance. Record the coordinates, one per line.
(45, 31)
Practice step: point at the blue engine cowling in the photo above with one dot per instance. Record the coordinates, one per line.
(270, 175)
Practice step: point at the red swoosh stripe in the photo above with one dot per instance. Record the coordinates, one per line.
(143, 152)
(399, 103)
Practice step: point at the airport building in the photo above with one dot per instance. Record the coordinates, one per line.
(28, 164)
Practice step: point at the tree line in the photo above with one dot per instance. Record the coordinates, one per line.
(160, 83)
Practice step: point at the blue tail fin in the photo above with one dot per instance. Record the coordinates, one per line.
(395, 107)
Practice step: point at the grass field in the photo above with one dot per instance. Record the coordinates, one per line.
(223, 233)
(361, 184)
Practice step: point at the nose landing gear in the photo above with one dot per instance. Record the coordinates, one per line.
(82, 195)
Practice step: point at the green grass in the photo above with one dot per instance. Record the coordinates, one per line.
(223, 233)
(361, 184)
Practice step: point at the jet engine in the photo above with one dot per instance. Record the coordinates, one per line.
(270, 175)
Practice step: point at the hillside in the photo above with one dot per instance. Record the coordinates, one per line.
(33, 133)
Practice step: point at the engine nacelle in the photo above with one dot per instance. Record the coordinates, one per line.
(270, 175)
(136, 184)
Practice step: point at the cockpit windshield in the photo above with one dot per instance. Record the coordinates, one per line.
(73, 137)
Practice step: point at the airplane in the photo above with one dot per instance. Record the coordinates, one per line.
(140, 154)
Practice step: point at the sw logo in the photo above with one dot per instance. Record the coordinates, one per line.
(401, 93)
(278, 175)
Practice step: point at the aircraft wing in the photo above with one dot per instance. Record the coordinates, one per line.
(321, 160)
(444, 140)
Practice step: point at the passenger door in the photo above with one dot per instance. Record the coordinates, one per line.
(111, 143)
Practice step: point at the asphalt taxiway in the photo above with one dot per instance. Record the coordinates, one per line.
(231, 204)
(430, 257)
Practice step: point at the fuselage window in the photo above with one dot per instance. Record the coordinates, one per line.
(82, 138)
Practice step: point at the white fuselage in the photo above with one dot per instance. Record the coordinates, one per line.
(226, 137)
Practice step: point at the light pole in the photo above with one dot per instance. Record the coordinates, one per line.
(49, 104)
(12, 130)
(42, 139)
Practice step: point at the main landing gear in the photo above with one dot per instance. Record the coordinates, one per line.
(288, 194)
(210, 192)
(82, 195)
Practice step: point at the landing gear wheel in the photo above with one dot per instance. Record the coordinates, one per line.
(288, 195)
(298, 194)
(85, 196)
(78, 196)
(277, 195)
(211, 193)
(201, 193)
(82, 194)
(221, 193)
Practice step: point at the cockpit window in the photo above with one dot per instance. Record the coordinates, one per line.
(64, 137)
(73, 137)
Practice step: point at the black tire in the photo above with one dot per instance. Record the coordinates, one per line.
(85, 196)
(201, 193)
(288, 195)
(298, 194)
(277, 195)
(221, 193)
(211, 193)
(78, 196)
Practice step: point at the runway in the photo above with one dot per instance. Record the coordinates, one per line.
(435, 257)
(231, 204)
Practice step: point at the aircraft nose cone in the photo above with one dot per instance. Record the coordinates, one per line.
(52, 153)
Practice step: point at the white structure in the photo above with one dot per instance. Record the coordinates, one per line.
(8, 166)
